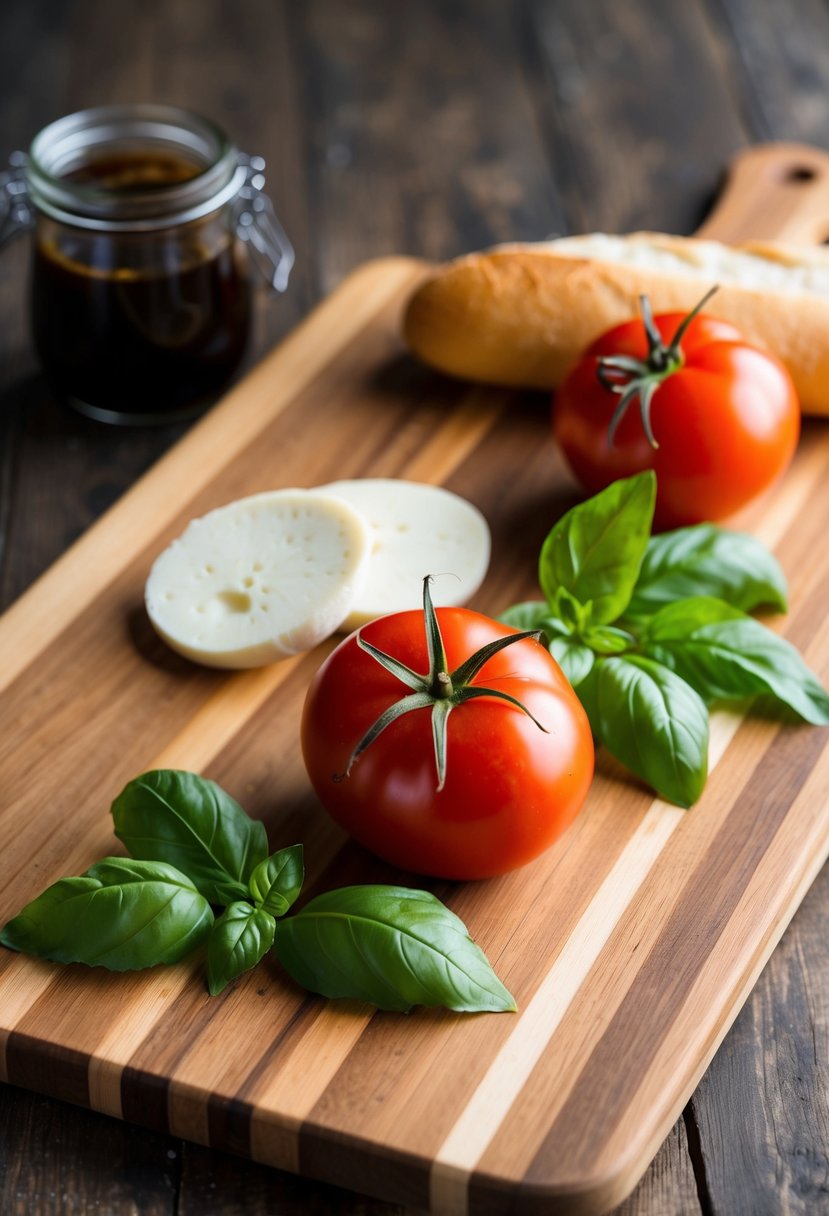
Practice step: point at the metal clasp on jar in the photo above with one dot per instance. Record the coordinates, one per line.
(16, 211)
(256, 224)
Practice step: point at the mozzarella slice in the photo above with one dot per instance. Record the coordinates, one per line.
(259, 579)
(417, 530)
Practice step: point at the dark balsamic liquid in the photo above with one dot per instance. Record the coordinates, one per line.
(128, 172)
(139, 330)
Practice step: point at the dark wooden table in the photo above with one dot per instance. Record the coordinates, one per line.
(429, 128)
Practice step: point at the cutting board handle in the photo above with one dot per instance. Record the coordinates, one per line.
(775, 191)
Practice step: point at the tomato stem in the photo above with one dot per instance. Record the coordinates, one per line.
(632, 378)
(443, 687)
(438, 689)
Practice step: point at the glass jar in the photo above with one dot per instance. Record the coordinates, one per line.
(146, 220)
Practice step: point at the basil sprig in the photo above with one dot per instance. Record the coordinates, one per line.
(652, 630)
(193, 846)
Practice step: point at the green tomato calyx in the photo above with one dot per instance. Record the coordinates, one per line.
(632, 378)
(438, 689)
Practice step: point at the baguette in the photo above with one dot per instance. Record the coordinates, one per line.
(520, 315)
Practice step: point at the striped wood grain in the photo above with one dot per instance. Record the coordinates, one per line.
(629, 946)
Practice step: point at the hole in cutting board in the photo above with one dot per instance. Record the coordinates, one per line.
(800, 173)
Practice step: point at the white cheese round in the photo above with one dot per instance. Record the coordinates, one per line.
(416, 530)
(259, 579)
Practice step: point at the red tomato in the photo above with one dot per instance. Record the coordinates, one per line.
(510, 788)
(726, 421)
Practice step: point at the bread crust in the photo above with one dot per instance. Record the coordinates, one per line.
(520, 315)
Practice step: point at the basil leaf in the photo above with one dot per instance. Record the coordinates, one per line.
(536, 615)
(727, 655)
(392, 946)
(651, 721)
(594, 552)
(528, 615)
(574, 658)
(707, 560)
(122, 914)
(189, 821)
(607, 639)
(276, 881)
(238, 940)
(571, 614)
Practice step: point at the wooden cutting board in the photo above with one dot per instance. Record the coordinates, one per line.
(630, 946)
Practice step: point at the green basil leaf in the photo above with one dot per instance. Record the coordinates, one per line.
(122, 914)
(571, 614)
(594, 552)
(190, 822)
(276, 881)
(727, 655)
(707, 560)
(607, 639)
(573, 657)
(392, 946)
(651, 721)
(238, 940)
(528, 615)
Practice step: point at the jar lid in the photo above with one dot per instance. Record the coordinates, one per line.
(60, 152)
